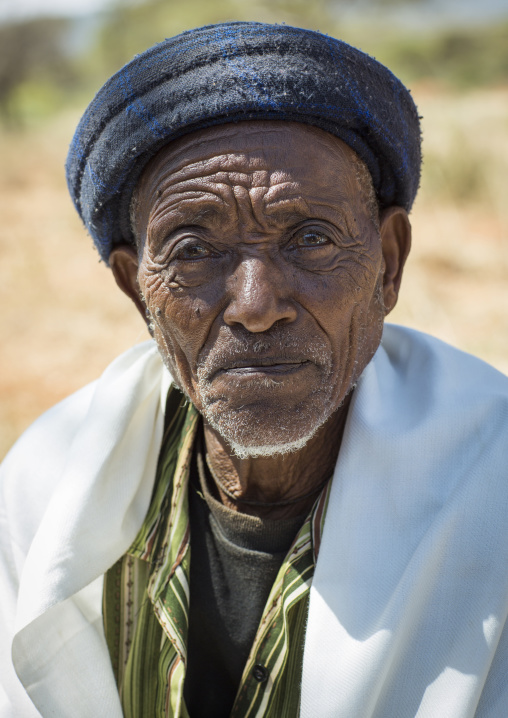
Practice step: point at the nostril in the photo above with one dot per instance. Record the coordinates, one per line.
(258, 297)
(259, 313)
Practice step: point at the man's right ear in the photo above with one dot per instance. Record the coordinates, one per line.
(123, 261)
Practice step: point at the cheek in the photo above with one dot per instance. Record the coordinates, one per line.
(182, 321)
(349, 310)
(366, 327)
(340, 297)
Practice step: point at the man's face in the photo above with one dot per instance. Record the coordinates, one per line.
(262, 270)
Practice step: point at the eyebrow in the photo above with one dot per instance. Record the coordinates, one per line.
(208, 212)
(292, 211)
(290, 214)
(283, 216)
(287, 216)
(180, 215)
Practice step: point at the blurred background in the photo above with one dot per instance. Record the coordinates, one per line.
(63, 319)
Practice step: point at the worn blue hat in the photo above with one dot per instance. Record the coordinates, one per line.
(228, 73)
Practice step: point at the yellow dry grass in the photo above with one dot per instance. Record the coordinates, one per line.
(63, 319)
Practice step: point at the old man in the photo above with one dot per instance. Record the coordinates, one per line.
(279, 507)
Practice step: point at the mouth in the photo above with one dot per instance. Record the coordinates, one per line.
(286, 368)
(265, 366)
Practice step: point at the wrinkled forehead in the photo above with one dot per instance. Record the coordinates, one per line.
(251, 153)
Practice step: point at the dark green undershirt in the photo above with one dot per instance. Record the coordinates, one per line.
(235, 559)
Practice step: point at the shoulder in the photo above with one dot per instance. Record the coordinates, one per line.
(431, 363)
(33, 468)
(444, 396)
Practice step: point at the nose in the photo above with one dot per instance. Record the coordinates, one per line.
(259, 296)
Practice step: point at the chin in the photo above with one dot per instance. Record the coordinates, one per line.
(251, 452)
(268, 430)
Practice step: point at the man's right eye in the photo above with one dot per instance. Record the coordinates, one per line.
(190, 251)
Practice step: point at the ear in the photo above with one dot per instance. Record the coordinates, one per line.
(395, 231)
(123, 261)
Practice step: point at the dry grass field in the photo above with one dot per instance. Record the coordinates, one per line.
(63, 319)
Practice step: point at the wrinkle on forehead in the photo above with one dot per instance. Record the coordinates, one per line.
(214, 141)
(254, 209)
(251, 169)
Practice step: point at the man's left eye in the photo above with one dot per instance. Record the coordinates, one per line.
(311, 239)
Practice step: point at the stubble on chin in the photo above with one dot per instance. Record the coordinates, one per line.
(271, 427)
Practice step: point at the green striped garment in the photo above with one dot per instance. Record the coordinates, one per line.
(146, 600)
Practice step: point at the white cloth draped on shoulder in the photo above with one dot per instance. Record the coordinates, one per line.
(410, 594)
(96, 455)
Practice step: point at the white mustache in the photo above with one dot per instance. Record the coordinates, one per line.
(245, 351)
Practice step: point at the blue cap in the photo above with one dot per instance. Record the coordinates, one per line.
(228, 73)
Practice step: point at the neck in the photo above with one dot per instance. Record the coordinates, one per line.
(287, 480)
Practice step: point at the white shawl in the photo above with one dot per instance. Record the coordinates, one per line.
(410, 594)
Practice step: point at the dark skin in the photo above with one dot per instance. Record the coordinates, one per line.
(267, 280)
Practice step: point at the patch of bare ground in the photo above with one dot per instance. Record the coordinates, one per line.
(456, 282)
(63, 318)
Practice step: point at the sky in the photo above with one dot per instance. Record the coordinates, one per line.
(31, 8)
(462, 10)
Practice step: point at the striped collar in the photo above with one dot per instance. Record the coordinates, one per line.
(164, 541)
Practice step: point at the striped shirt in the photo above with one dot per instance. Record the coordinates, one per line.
(146, 600)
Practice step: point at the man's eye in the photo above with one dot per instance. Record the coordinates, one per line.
(192, 251)
(311, 239)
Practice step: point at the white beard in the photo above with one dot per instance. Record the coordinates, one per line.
(246, 451)
(280, 429)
